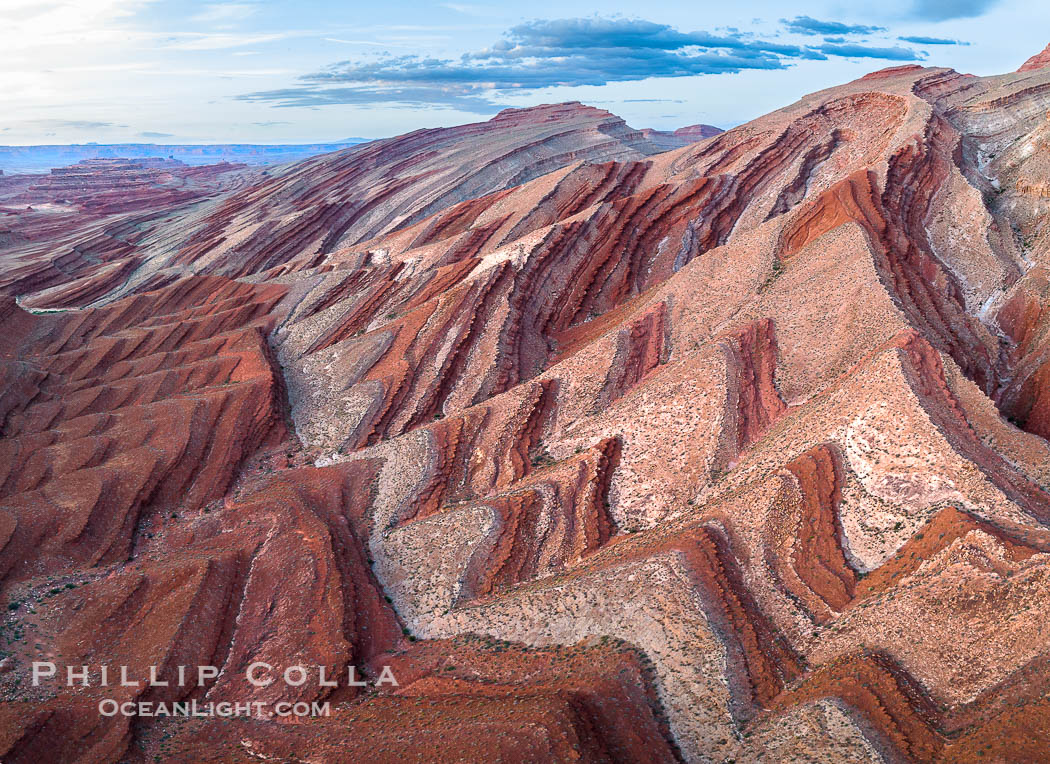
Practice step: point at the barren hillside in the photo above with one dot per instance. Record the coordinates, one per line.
(613, 445)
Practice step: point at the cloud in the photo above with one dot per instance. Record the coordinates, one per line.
(942, 10)
(369, 42)
(551, 53)
(470, 9)
(72, 124)
(224, 14)
(895, 53)
(151, 134)
(811, 26)
(920, 40)
(412, 98)
(231, 38)
(556, 37)
(221, 40)
(29, 27)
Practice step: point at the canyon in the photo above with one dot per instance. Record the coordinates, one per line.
(608, 444)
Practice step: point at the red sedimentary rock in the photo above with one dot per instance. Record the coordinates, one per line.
(147, 404)
(919, 283)
(640, 348)
(753, 362)
(560, 516)
(93, 214)
(466, 700)
(504, 407)
(813, 541)
(1036, 62)
(892, 71)
(817, 556)
(887, 697)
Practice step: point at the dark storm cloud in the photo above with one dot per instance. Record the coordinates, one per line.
(552, 53)
(811, 26)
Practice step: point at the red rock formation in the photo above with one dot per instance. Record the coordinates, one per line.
(142, 406)
(93, 215)
(817, 557)
(586, 702)
(640, 348)
(560, 516)
(753, 362)
(893, 71)
(683, 136)
(351, 196)
(886, 696)
(1036, 62)
(505, 407)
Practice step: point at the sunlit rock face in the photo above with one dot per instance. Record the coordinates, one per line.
(1038, 61)
(607, 444)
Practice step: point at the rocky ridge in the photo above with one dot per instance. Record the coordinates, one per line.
(735, 451)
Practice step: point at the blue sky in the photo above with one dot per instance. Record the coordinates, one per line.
(173, 71)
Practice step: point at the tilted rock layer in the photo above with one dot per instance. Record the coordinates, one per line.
(611, 445)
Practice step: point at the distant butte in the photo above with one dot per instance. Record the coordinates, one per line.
(683, 136)
(698, 132)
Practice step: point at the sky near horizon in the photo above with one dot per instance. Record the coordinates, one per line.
(258, 71)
